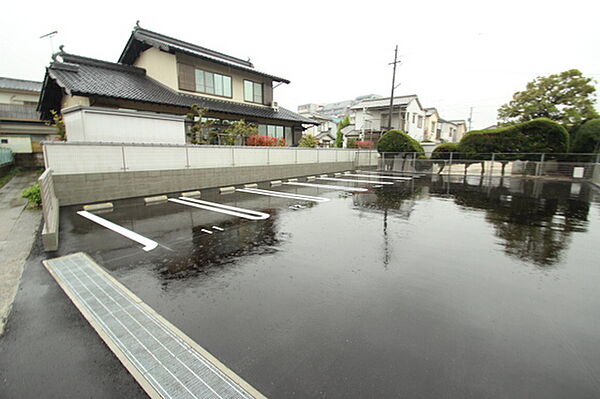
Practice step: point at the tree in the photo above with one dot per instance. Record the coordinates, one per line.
(587, 138)
(58, 122)
(308, 141)
(199, 124)
(339, 137)
(567, 97)
(240, 129)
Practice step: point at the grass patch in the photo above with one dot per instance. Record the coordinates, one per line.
(7, 177)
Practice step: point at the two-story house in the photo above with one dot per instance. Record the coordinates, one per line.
(21, 129)
(371, 117)
(159, 73)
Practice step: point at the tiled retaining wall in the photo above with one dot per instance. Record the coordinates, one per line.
(95, 187)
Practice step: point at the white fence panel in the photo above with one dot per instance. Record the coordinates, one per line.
(307, 156)
(210, 157)
(67, 159)
(250, 156)
(154, 158)
(282, 156)
(327, 155)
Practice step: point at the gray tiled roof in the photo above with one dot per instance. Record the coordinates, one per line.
(88, 77)
(20, 84)
(167, 43)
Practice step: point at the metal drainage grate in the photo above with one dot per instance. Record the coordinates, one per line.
(165, 362)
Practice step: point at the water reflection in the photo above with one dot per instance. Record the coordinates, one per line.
(534, 219)
(209, 251)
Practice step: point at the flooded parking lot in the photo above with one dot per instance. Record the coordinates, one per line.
(427, 288)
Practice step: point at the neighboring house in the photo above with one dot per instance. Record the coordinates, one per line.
(334, 110)
(461, 129)
(162, 74)
(447, 130)
(371, 117)
(325, 131)
(432, 127)
(21, 129)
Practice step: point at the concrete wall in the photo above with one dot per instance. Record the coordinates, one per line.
(73, 158)
(50, 210)
(17, 144)
(96, 187)
(94, 124)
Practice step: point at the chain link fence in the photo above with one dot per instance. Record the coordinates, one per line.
(567, 166)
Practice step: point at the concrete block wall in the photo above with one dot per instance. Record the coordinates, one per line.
(85, 188)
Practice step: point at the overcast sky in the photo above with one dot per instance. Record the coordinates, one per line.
(455, 54)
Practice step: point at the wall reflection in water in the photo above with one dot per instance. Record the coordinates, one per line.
(210, 251)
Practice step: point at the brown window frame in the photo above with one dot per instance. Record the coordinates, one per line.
(262, 91)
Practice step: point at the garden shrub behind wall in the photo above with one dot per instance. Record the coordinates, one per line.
(535, 136)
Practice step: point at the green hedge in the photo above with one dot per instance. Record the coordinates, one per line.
(587, 138)
(443, 151)
(398, 141)
(538, 135)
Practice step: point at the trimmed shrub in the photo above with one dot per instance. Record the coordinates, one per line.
(587, 138)
(538, 135)
(265, 141)
(352, 143)
(398, 141)
(443, 151)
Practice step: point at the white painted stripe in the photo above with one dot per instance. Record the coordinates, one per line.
(218, 228)
(233, 208)
(283, 195)
(206, 231)
(380, 176)
(221, 209)
(355, 181)
(328, 186)
(148, 244)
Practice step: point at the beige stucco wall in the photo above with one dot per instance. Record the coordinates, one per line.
(17, 144)
(70, 101)
(160, 66)
(431, 125)
(237, 79)
(17, 97)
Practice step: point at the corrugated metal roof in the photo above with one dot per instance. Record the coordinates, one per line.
(18, 111)
(20, 84)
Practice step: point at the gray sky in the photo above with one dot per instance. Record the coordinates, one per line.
(455, 54)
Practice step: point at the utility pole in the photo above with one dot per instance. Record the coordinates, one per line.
(470, 118)
(393, 86)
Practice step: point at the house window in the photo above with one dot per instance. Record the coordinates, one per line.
(3, 141)
(274, 131)
(414, 116)
(420, 121)
(212, 83)
(253, 92)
